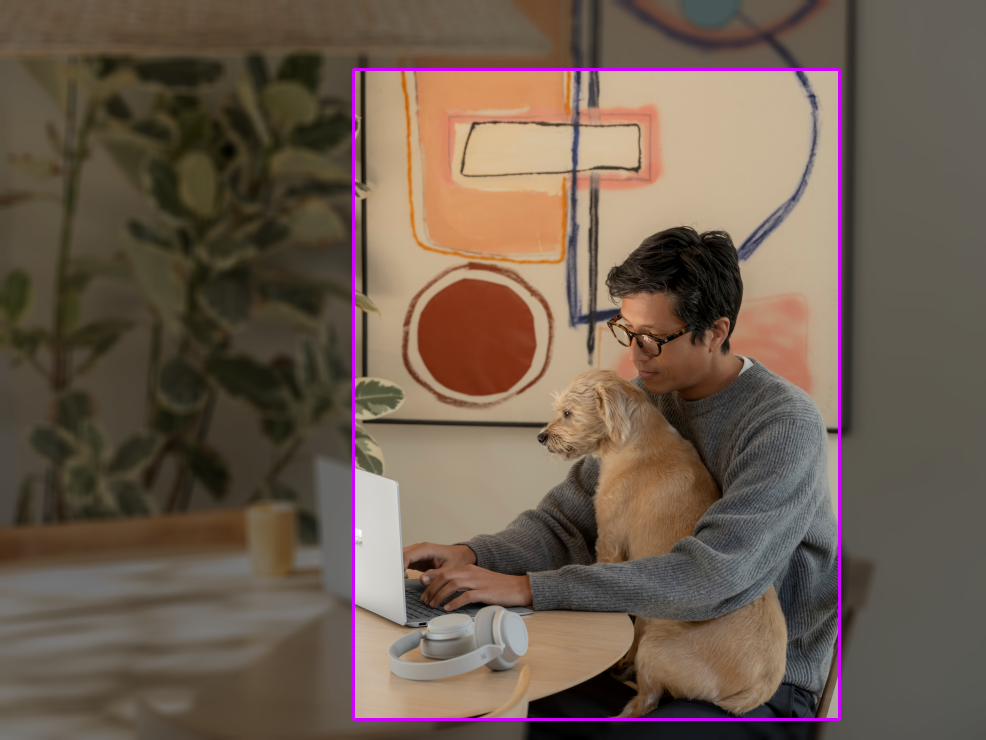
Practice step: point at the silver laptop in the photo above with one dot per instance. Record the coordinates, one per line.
(379, 558)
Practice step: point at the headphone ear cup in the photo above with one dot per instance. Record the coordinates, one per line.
(483, 626)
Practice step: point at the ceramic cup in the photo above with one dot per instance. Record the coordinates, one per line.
(271, 537)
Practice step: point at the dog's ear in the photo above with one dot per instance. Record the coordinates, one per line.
(613, 407)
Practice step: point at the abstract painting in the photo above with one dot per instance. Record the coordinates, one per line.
(502, 198)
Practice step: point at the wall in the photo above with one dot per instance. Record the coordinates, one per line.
(912, 465)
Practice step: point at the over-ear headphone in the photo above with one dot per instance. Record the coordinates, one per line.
(497, 639)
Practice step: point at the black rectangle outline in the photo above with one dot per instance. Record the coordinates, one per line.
(640, 157)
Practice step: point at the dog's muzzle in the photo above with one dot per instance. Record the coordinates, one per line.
(543, 436)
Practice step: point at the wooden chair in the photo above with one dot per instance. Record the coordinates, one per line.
(857, 574)
(516, 706)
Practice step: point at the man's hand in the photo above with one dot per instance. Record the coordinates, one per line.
(427, 555)
(478, 583)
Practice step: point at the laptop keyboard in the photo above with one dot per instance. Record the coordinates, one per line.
(417, 609)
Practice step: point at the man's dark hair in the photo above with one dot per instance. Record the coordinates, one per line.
(699, 273)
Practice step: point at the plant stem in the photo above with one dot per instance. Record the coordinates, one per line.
(57, 379)
(153, 367)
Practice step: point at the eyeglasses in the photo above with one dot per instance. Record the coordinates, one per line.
(650, 345)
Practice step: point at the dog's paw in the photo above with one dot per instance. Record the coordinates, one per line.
(623, 672)
(632, 709)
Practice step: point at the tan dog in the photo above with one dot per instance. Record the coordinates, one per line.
(653, 489)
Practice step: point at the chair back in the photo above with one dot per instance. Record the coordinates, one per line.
(516, 706)
(857, 575)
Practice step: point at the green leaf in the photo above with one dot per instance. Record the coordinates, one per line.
(268, 234)
(70, 307)
(324, 134)
(160, 274)
(93, 440)
(50, 74)
(256, 67)
(130, 158)
(17, 293)
(365, 304)
(288, 104)
(112, 266)
(99, 338)
(135, 454)
(72, 409)
(52, 444)
(298, 301)
(178, 73)
(194, 129)
(155, 131)
(376, 397)
(162, 184)
(97, 332)
(317, 224)
(226, 299)
(131, 498)
(26, 497)
(305, 69)
(197, 182)
(369, 456)
(244, 378)
(181, 388)
(223, 250)
(278, 429)
(297, 162)
(210, 469)
(26, 342)
(80, 480)
(116, 107)
(247, 95)
(203, 331)
(170, 424)
(308, 531)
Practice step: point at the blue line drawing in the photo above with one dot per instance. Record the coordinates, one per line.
(710, 44)
(776, 218)
(572, 261)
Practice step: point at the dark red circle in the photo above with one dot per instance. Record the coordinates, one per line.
(477, 337)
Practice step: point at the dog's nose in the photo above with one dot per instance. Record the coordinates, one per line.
(543, 436)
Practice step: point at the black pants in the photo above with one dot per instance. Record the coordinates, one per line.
(603, 696)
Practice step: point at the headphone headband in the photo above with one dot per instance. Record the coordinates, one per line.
(439, 669)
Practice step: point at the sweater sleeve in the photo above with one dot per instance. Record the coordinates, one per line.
(738, 548)
(559, 532)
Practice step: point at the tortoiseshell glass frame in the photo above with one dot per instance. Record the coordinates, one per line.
(660, 342)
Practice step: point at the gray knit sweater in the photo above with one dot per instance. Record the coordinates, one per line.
(765, 443)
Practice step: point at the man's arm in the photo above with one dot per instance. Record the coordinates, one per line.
(737, 550)
(560, 531)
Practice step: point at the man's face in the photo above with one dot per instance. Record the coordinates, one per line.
(681, 364)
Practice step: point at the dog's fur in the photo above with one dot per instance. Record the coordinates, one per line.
(653, 488)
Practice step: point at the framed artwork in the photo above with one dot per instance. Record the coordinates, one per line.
(503, 197)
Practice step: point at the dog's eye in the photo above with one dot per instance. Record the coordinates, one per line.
(566, 414)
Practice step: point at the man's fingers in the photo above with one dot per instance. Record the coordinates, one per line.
(469, 597)
(435, 580)
(450, 587)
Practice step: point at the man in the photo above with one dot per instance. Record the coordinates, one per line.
(765, 443)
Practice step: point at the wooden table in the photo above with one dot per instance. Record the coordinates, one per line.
(566, 648)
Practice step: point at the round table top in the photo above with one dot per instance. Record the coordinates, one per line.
(566, 648)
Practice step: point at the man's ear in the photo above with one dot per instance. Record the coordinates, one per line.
(719, 333)
(612, 404)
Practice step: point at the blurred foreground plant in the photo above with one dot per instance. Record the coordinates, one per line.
(237, 172)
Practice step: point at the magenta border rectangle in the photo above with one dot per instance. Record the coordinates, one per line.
(838, 71)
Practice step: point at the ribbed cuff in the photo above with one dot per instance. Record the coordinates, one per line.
(548, 591)
(485, 551)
